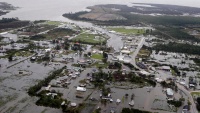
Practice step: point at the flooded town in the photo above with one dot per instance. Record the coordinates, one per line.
(114, 64)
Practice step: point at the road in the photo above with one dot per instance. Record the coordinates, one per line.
(136, 52)
(193, 105)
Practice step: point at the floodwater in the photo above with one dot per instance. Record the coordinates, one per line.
(53, 10)
(12, 83)
(9, 37)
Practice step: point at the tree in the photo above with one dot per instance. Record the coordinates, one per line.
(105, 55)
(57, 47)
(89, 53)
(10, 58)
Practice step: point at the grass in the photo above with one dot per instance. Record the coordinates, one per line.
(128, 31)
(55, 23)
(173, 72)
(195, 94)
(23, 53)
(104, 65)
(144, 53)
(89, 38)
(58, 32)
(97, 56)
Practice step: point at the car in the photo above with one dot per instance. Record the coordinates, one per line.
(93, 99)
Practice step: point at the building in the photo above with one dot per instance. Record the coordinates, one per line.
(166, 68)
(81, 89)
(125, 51)
(141, 65)
(144, 73)
(169, 92)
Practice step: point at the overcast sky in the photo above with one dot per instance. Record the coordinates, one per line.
(194, 3)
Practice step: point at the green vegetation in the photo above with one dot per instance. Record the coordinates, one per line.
(144, 53)
(177, 103)
(54, 23)
(11, 53)
(54, 34)
(23, 53)
(34, 29)
(198, 103)
(196, 60)
(8, 20)
(34, 89)
(115, 65)
(174, 32)
(132, 19)
(196, 94)
(140, 81)
(127, 31)
(100, 78)
(97, 56)
(171, 85)
(132, 110)
(178, 47)
(6, 23)
(87, 38)
(100, 65)
(48, 101)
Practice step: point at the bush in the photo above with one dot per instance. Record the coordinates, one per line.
(34, 89)
(132, 110)
(177, 103)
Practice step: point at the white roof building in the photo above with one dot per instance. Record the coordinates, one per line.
(125, 51)
(166, 67)
(144, 72)
(81, 89)
(169, 92)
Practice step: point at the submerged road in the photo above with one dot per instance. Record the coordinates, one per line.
(193, 105)
(136, 52)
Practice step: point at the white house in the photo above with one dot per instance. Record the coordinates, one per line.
(169, 92)
(81, 89)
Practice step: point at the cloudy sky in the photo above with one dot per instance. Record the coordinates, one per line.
(194, 3)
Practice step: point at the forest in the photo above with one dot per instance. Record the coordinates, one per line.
(178, 47)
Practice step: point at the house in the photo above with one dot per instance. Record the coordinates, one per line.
(166, 68)
(125, 51)
(33, 58)
(48, 88)
(73, 104)
(169, 92)
(141, 65)
(81, 89)
(159, 80)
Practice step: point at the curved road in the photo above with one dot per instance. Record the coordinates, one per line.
(193, 105)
